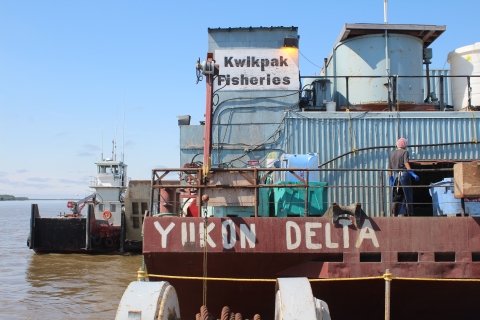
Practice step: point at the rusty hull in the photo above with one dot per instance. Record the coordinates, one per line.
(268, 248)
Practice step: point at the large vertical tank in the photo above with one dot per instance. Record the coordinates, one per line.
(366, 56)
(465, 61)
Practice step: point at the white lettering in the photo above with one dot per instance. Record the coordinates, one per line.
(367, 232)
(328, 237)
(309, 234)
(289, 226)
(248, 235)
(184, 233)
(164, 232)
(201, 231)
(192, 231)
(229, 242)
(346, 239)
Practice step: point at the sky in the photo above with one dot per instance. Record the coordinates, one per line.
(70, 70)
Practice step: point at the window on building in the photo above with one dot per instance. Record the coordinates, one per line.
(136, 223)
(134, 207)
(144, 207)
(113, 207)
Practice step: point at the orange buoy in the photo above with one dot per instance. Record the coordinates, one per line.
(106, 214)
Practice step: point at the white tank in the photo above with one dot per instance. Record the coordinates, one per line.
(365, 56)
(465, 61)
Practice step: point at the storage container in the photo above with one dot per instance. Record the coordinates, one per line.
(290, 201)
(443, 200)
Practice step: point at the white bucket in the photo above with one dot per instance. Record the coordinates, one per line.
(331, 106)
(465, 61)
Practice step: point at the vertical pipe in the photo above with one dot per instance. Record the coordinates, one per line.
(152, 191)
(442, 103)
(306, 193)
(389, 96)
(385, 20)
(346, 91)
(469, 93)
(382, 195)
(255, 178)
(207, 140)
(388, 280)
(428, 82)
(394, 90)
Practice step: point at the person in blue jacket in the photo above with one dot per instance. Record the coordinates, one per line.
(400, 174)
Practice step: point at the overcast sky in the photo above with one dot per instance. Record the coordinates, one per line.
(66, 66)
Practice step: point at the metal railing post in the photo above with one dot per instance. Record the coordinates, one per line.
(388, 281)
(306, 193)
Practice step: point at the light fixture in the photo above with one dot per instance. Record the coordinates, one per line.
(290, 41)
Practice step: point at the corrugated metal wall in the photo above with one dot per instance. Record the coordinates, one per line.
(332, 135)
(435, 84)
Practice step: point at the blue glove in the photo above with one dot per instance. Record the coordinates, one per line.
(392, 181)
(414, 175)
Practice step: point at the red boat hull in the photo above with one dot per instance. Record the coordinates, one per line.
(267, 248)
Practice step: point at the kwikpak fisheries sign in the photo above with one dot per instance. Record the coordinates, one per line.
(257, 69)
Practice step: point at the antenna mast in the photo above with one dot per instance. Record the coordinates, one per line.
(123, 130)
(102, 144)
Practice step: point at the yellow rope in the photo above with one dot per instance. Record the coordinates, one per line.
(386, 277)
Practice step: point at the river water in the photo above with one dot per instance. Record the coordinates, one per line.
(56, 286)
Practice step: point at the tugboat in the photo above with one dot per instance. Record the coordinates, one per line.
(101, 229)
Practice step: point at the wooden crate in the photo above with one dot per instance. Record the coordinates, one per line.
(467, 179)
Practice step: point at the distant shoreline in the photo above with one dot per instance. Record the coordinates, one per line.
(36, 199)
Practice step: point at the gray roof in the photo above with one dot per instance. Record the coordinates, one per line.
(426, 33)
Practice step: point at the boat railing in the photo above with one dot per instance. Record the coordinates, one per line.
(244, 186)
(434, 83)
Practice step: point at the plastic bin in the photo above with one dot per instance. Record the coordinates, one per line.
(443, 201)
(303, 161)
(290, 201)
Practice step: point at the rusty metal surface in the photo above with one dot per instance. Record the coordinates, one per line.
(311, 240)
(276, 251)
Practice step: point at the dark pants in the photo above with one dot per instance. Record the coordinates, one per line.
(402, 193)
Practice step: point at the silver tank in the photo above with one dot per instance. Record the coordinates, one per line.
(365, 56)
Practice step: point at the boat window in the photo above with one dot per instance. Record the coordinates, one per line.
(101, 207)
(102, 169)
(134, 207)
(144, 207)
(112, 207)
(136, 223)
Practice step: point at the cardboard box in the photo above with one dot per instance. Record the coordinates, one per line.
(467, 179)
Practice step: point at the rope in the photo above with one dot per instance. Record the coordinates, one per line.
(386, 277)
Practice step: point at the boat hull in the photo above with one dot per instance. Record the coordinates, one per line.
(317, 248)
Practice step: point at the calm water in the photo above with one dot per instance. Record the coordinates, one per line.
(55, 286)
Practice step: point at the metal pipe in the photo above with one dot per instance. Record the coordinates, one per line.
(469, 93)
(255, 175)
(346, 80)
(442, 103)
(428, 83)
(388, 280)
(391, 147)
(306, 194)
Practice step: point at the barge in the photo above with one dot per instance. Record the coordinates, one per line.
(294, 181)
